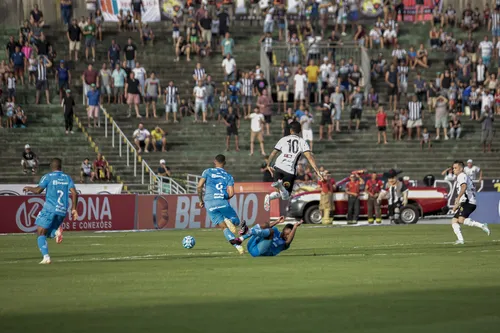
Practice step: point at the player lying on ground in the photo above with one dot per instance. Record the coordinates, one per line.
(290, 148)
(266, 239)
(58, 186)
(465, 204)
(219, 188)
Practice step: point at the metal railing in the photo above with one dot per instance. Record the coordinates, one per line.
(167, 185)
(192, 182)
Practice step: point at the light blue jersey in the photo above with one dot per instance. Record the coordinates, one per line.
(57, 185)
(260, 247)
(217, 180)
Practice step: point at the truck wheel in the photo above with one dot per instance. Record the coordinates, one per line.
(312, 215)
(409, 214)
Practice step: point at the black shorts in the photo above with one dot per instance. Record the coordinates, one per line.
(150, 99)
(324, 85)
(326, 121)
(42, 85)
(393, 90)
(232, 131)
(137, 8)
(356, 114)
(267, 119)
(465, 210)
(475, 107)
(382, 128)
(287, 178)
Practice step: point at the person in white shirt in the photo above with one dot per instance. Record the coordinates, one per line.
(229, 68)
(268, 20)
(325, 70)
(473, 171)
(390, 37)
(486, 47)
(288, 150)
(141, 138)
(140, 74)
(299, 83)
(257, 122)
(487, 100)
(200, 94)
(376, 37)
(465, 203)
(307, 133)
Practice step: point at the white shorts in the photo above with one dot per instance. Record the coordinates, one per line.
(414, 123)
(307, 135)
(28, 163)
(299, 95)
(200, 105)
(175, 34)
(403, 87)
(171, 108)
(74, 45)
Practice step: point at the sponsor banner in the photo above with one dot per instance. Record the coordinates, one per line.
(261, 187)
(372, 8)
(95, 212)
(17, 189)
(171, 8)
(111, 9)
(488, 208)
(241, 8)
(184, 212)
(410, 9)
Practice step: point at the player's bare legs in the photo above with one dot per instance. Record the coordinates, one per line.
(456, 222)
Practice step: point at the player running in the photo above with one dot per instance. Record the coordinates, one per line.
(219, 188)
(465, 204)
(291, 148)
(266, 239)
(58, 185)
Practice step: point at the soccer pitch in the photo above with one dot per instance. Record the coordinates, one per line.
(350, 279)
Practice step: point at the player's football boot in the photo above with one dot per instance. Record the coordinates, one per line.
(459, 242)
(243, 228)
(59, 235)
(486, 229)
(267, 202)
(230, 226)
(45, 261)
(240, 249)
(277, 184)
(236, 241)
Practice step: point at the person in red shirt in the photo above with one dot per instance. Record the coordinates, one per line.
(326, 204)
(353, 189)
(101, 169)
(373, 187)
(381, 122)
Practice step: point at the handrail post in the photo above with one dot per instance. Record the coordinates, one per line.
(142, 172)
(113, 138)
(135, 162)
(128, 151)
(106, 126)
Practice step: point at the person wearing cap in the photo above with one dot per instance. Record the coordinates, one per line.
(373, 188)
(89, 76)
(164, 170)
(326, 204)
(68, 103)
(93, 97)
(352, 190)
(29, 160)
(63, 76)
(159, 139)
(473, 171)
(396, 193)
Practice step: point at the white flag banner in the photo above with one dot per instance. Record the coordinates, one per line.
(102, 188)
(111, 9)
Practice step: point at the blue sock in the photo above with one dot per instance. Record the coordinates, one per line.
(229, 235)
(258, 231)
(42, 245)
(51, 233)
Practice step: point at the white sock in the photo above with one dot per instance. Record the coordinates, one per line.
(46, 256)
(457, 231)
(285, 195)
(471, 223)
(274, 195)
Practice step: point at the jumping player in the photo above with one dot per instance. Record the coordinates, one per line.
(290, 148)
(58, 185)
(266, 239)
(465, 204)
(219, 188)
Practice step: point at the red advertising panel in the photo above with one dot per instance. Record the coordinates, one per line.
(96, 212)
(184, 212)
(259, 187)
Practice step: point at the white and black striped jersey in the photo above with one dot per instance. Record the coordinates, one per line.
(41, 72)
(414, 110)
(247, 87)
(291, 148)
(403, 74)
(199, 73)
(470, 193)
(171, 94)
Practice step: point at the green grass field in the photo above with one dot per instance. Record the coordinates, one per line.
(358, 279)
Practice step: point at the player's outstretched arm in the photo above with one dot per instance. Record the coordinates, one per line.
(292, 234)
(34, 190)
(278, 221)
(312, 162)
(199, 189)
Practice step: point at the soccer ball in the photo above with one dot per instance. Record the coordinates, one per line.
(188, 242)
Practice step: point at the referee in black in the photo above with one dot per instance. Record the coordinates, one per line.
(42, 83)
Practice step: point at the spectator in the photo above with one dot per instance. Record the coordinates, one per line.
(229, 68)
(352, 190)
(473, 171)
(486, 48)
(397, 127)
(118, 83)
(130, 53)
(372, 98)
(205, 25)
(147, 34)
(74, 34)
(306, 122)
(68, 103)
(227, 45)
(101, 169)
(66, 11)
(114, 54)
(288, 118)
(360, 35)
(200, 94)
(11, 86)
(415, 117)
(474, 101)
(172, 101)
(20, 118)
(247, 92)
(234, 90)
(105, 75)
(42, 82)
(18, 60)
(381, 122)
(42, 45)
(140, 75)
(83, 23)
(326, 203)
(293, 52)
(91, 6)
(153, 90)
(441, 116)
(159, 139)
(494, 23)
(299, 81)
(232, 122)
(449, 175)
(199, 73)
(223, 105)
(487, 119)
(268, 20)
(223, 22)
(312, 72)
(337, 98)
(373, 188)
(257, 120)
(390, 37)
(392, 80)
(63, 77)
(142, 138)
(356, 100)
(450, 16)
(93, 97)
(375, 37)
(327, 114)
(29, 160)
(9, 112)
(89, 31)
(182, 48)
(89, 77)
(455, 127)
(36, 16)
(86, 171)
(425, 140)
(164, 170)
(98, 20)
(137, 6)
(267, 177)
(399, 54)
(260, 83)
(132, 93)
(264, 102)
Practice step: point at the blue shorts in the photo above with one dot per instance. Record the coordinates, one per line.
(210, 101)
(258, 246)
(486, 61)
(353, 15)
(495, 32)
(49, 220)
(218, 210)
(234, 99)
